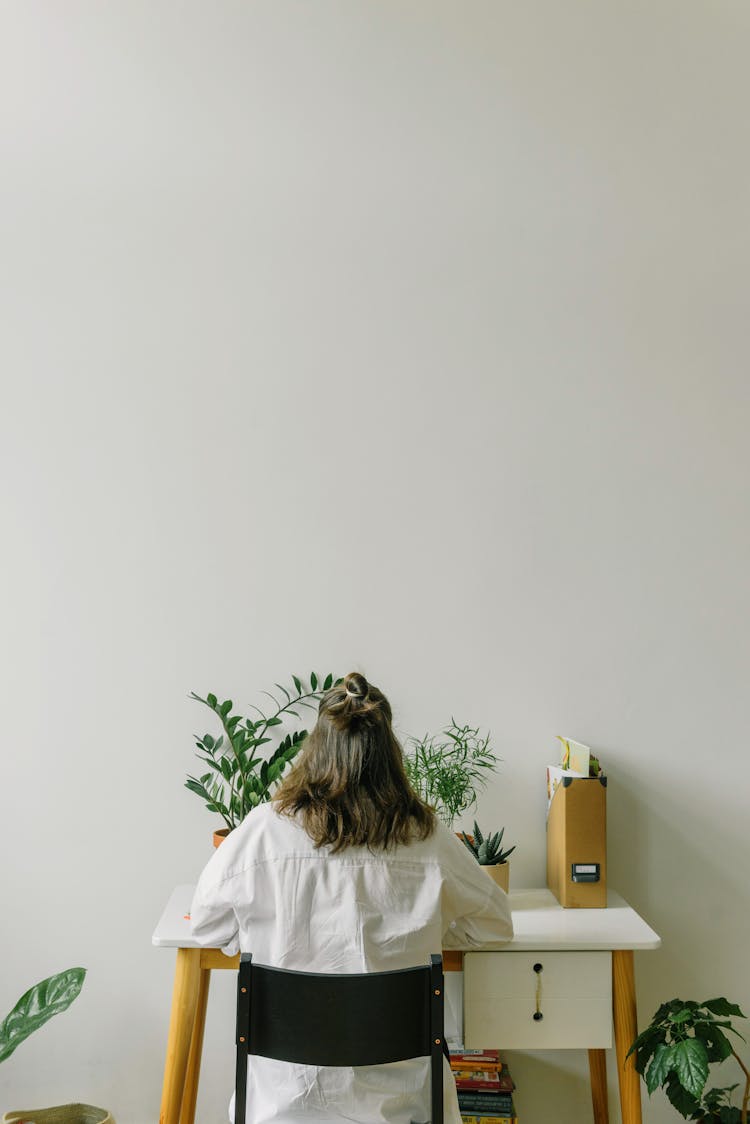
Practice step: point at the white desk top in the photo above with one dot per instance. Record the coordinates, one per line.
(539, 923)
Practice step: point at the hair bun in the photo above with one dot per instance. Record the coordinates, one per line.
(356, 686)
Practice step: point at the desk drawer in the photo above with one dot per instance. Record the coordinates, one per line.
(574, 999)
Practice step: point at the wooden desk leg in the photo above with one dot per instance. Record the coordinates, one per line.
(181, 1023)
(626, 1029)
(190, 1094)
(599, 1097)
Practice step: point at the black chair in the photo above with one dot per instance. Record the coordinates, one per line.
(340, 1020)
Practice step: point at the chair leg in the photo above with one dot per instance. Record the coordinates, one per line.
(240, 1086)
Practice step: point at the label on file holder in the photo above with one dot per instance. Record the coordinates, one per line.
(585, 872)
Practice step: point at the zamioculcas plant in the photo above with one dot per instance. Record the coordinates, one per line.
(487, 850)
(240, 774)
(37, 1005)
(674, 1052)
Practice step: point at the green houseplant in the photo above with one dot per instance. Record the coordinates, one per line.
(488, 850)
(449, 769)
(675, 1051)
(241, 774)
(35, 1007)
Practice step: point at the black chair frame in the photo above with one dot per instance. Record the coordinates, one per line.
(340, 1020)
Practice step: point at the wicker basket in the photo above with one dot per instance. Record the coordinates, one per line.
(61, 1114)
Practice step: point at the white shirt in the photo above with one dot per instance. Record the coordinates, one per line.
(269, 891)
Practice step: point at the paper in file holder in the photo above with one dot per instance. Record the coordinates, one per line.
(577, 842)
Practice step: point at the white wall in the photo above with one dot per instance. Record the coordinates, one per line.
(401, 336)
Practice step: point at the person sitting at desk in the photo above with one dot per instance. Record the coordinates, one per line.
(347, 870)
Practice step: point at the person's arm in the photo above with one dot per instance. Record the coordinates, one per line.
(212, 918)
(476, 912)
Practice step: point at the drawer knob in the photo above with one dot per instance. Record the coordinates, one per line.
(538, 967)
(537, 1016)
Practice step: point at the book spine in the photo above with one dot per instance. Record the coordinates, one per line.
(476, 1063)
(492, 1056)
(490, 1050)
(471, 1119)
(500, 1103)
(473, 1083)
(486, 1074)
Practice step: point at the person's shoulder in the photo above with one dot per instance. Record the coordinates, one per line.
(271, 832)
(451, 852)
(440, 845)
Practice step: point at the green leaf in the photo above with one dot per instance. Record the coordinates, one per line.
(37, 1005)
(298, 684)
(690, 1061)
(645, 1045)
(723, 1007)
(718, 1045)
(313, 681)
(328, 682)
(660, 1065)
(225, 708)
(681, 1016)
(680, 1098)
(198, 787)
(211, 700)
(284, 690)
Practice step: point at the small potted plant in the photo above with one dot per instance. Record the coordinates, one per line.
(488, 851)
(240, 774)
(50, 997)
(675, 1051)
(449, 769)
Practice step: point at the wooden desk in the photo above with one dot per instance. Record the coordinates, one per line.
(586, 958)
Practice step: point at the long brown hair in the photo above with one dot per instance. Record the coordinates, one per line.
(348, 786)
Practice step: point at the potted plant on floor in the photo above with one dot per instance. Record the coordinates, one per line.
(40, 1003)
(487, 849)
(675, 1051)
(449, 769)
(241, 775)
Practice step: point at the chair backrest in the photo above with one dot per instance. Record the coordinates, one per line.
(340, 1020)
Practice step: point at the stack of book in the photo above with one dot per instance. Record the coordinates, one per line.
(485, 1087)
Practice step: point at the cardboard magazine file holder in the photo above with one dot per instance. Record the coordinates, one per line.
(577, 843)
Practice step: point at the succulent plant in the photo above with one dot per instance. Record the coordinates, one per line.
(487, 850)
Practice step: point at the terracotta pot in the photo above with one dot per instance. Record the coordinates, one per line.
(499, 873)
(220, 835)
